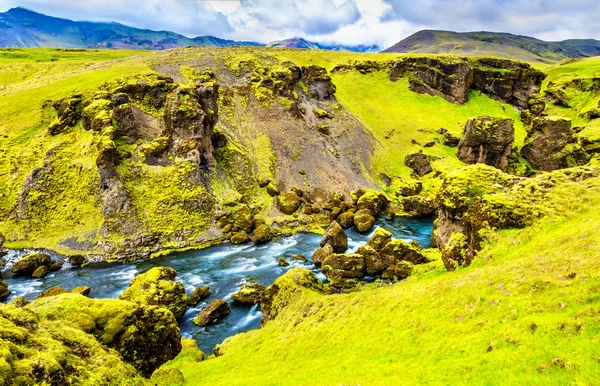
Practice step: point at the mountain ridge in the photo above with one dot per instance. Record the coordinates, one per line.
(481, 43)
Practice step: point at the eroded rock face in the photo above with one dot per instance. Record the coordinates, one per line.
(336, 238)
(551, 145)
(214, 311)
(157, 287)
(487, 140)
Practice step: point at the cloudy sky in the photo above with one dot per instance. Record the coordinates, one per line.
(382, 22)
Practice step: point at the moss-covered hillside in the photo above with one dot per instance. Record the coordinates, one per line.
(145, 154)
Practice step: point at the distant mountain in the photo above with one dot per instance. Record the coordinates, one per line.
(498, 44)
(20, 27)
(305, 44)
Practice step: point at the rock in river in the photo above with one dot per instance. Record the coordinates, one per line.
(212, 313)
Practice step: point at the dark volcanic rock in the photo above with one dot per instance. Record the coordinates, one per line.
(487, 140)
(336, 238)
(419, 163)
(212, 313)
(551, 145)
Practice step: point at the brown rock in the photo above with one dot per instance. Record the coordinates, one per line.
(419, 163)
(336, 237)
(320, 254)
(345, 266)
(487, 140)
(52, 291)
(199, 294)
(212, 313)
(346, 219)
(364, 220)
(380, 239)
(373, 262)
(81, 290)
(249, 294)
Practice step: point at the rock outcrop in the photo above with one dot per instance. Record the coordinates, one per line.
(157, 287)
(487, 140)
(551, 145)
(145, 336)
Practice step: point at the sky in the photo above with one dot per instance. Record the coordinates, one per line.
(381, 22)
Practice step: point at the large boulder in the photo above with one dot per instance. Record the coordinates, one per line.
(344, 266)
(373, 262)
(249, 293)
(157, 287)
(214, 311)
(399, 250)
(370, 199)
(380, 239)
(336, 238)
(364, 220)
(286, 289)
(346, 219)
(240, 238)
(419, 163)
(145, 336)
(419, 205)
(321, 253)
(29, 263)
(288, 203)
(487, 140)
(262, 235)
(551, 145)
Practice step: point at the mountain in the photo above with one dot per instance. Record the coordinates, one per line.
(497, 44)
(20, 27)
(305, 44)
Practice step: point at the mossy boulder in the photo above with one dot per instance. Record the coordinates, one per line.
(211, 313)
(157, 287)
(551, 145)
(76, 260)
(97, 115)
(336, 238)
(282, 262)
(262, 235)
(419, 163)
(487, 140)
(455, 252)
(29, 263)
(344, 266)
(286, 289)
(249, 293)
(346, 219)
(321, 253)
(288, 203)
(56, 266)
(364, 220)
(239, 238)
(52, 291)
(199, 294)
(374, 264)
(419, 205)
(83, 290)
(55, 351)
(299, 257)
(145, 336)
(243, 218)
(380, 239)
(4, 291)
(167, 376)
(40, 272)
(399, 250)
(370, 199)
(400, 270)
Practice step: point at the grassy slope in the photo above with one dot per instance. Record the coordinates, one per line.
(518, 315)
(24, 142)
(580, 101)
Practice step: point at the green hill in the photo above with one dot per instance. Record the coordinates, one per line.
(495, 44)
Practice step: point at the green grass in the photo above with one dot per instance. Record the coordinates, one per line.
(525, 313)
(396, 116)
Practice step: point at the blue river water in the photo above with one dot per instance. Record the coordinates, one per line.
(224, 268)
